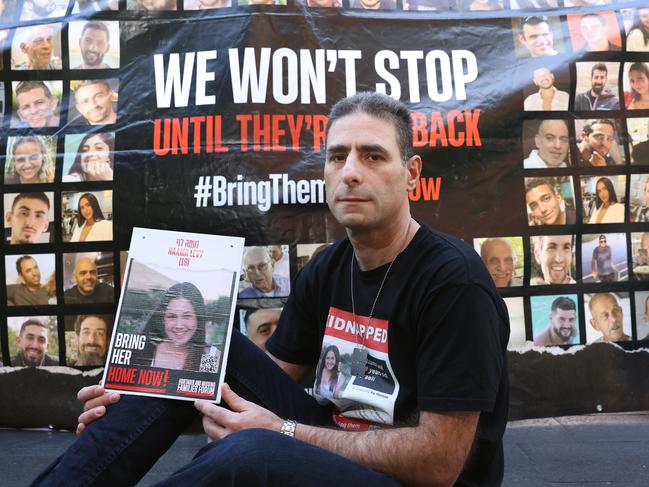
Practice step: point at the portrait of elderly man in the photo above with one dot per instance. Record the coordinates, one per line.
(262, 280)
(607, 318)
(600, 95)
(35, 104)
(32, 343)
(94, 99)
(535, 36)
(37, 48)
(548, 97)
(563, 322)
(500, 258)
(92, 336)
(553, 257)
(552, 142)
(90, 42)
(546, 203)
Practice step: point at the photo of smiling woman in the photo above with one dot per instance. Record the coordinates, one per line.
(636, 86)
(87, 217)
(329, 378)
(31, 160)
(93, 159)
(176, 333)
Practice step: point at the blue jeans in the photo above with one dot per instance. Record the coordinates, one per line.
(118, 449)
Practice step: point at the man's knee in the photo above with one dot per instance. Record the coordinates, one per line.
(250, 447)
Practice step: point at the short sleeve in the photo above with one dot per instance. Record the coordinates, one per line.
(462, 336)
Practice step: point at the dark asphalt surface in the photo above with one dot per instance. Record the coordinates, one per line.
(590, 451)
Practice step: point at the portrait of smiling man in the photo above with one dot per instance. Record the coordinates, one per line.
(553, 254)
(546, 204)
(563, 322)
(37, 48)
(93, 99)
(28, 217)
(552, 142)
(90, 42)
(36, 106)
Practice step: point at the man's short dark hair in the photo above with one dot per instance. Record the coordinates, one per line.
(93, 24)
(532, 183)
(33, 196)
(598, 67)
(81, 318)
(563, 303)
(533, 20)
(588, 127)
(19, 263)
(90, 82)
(31, 322)
(592, 15)
(382, 107)
(25, 86)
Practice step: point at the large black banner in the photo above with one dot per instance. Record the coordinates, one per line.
(532, 119)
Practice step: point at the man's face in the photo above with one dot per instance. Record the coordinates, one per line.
(259, 269)
(544, 204)
(85, 274)
(564, 323)
(30, 272)
(598, 81)
(35, 108)
(554, 256)
(276, 252)
(601, 138)
(94, 45)
(593, 31)
(537, 39)
(365, 178)
(552, 141)
(32, 343)
(38, 47)
(543, 78)
(92, 338)
(261, 324)
(607, 317)
(602, 242)
(28, 220)
(500, 262)
(95, 103)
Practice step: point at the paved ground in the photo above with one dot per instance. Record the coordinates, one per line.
(589, 451)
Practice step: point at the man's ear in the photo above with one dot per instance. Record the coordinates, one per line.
(413, 167)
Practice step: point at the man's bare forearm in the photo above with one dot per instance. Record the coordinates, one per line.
(431, 453)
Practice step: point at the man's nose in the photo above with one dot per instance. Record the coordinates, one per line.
(351, 169)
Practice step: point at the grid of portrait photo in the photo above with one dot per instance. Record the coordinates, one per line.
(59, 114)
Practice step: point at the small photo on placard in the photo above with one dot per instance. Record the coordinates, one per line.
(151, 5)
(635, 85)
(87, 217)
(88, 278)
(546, 144)
(86, 339)
(639, 198)
(537, 36)
(642, 315)
(555, 320)
(600, 142)
(604, 258)
(603, 198)
(30, 279)
(636, 25)
(29, 217)
(259, 323)
(30, 159)
(36, 104)
(306, 252)
(90, 6)
(94, 44)
(640, 255)
(639, 140)
(548, 90)
(37, 47)
(89, 157)
(597, 86)
(550, 201)
(516, 312)
(93, 102)
(594, 32)
(33, 341)
(553, 260)
(419, 5)
(43, 9)
(504, 259)
(608, 317)
(262, 276)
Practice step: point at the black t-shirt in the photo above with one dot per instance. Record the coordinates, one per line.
(437, 339)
